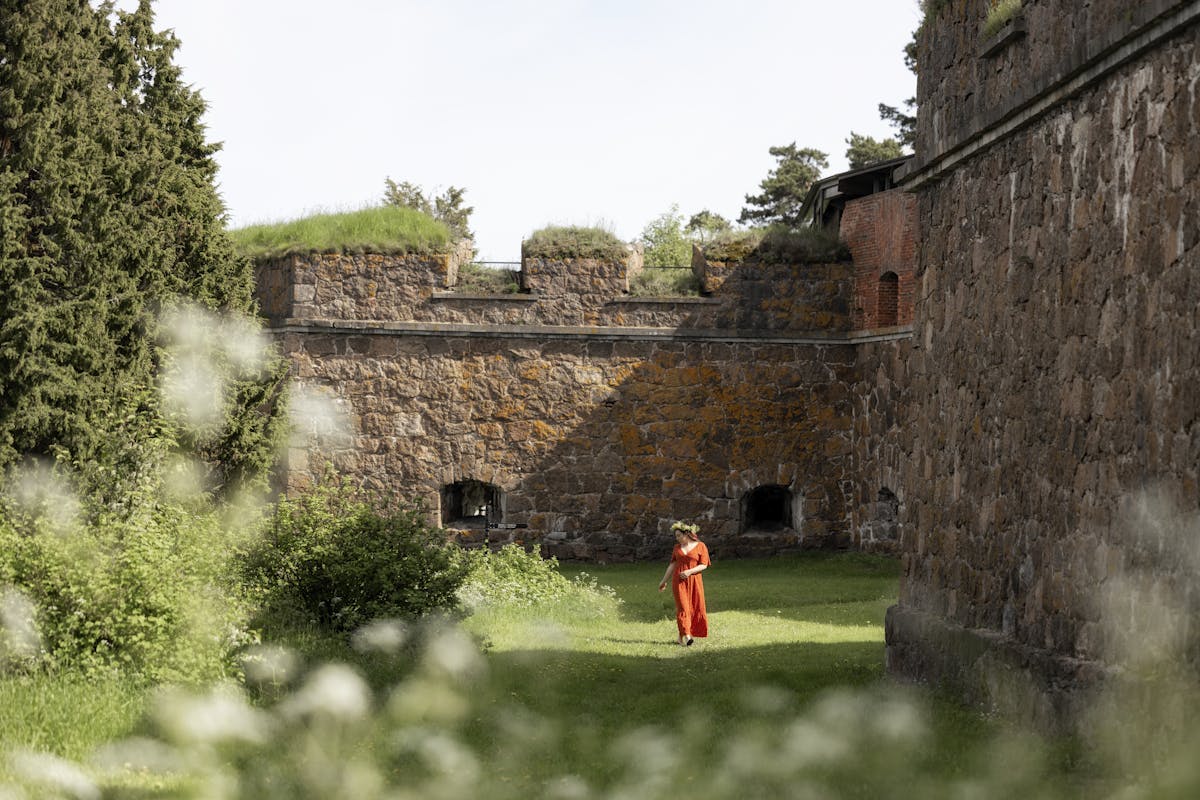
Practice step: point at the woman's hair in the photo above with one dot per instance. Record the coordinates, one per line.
(690, 531)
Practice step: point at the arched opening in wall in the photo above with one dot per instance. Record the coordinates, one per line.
(766, 509)
(471, 504)
(887, 307)
(886, 519)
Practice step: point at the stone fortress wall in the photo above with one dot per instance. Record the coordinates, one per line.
(1051, 391)
(593, 417)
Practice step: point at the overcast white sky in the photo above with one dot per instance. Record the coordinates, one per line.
(546, 111)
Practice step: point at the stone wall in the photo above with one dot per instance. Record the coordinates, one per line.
(1054, 380)
(600, 418)
(597, 442)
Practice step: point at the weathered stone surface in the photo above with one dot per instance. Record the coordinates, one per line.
(1053, 379)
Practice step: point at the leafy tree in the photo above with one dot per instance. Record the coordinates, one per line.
(448, 207)
(864, 150)
(784, 188)
(706, 225)
(905, 122)
(663, 237)
(108, 214)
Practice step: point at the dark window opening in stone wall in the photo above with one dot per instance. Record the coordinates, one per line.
(767, 508)
(885, 524)
(888, 307)
(470, 504)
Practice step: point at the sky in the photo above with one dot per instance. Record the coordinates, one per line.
(565, 112)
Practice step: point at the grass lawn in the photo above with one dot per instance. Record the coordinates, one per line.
(785, 634)
(787, 697)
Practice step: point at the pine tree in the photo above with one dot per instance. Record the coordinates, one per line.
(784, 187)
(108, 215)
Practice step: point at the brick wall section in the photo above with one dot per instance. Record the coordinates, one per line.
(881, 231)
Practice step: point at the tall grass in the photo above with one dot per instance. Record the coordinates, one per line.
(778, 244)
(999, 14)
(558, 242)
(381, 229)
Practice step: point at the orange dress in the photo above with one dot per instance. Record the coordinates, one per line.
(690, 615)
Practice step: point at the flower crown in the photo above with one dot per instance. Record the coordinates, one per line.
(683, 527)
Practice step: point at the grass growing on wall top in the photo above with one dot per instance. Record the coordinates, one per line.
(382, 229)
(1000, 12)
(556, 241)
(778, 245)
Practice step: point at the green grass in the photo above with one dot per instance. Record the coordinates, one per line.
(68, 715)
(1000, 12)
(777, 245)
(589, 696)
(559, 242)
(477, 278)
(382, 229)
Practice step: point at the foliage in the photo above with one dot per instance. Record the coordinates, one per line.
(518, 578)
(665, 282)
(108, 211)
(332, 558)
(666, 245)
(560, 242)
(145, 594)
(778, 244)
(785, 186)
(380, 229)
(705, 224)
(862, 151)
(447, 207)
(999, 13)
(475, 277)
(905, 122)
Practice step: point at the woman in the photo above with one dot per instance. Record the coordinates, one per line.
(688, 560)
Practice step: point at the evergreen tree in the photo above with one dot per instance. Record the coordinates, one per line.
(862, 151)
(108, 215)
(784, 188)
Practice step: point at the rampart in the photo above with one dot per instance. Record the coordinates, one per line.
(1053, 383)
(591, 416)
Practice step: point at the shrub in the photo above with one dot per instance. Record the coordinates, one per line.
(664, 282)
(556, 242)
(515, 577)
(331, 558)
(145, 595)
(384, 229)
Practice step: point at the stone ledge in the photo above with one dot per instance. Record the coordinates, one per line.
(666, 301)
(513, 297)
(992, 671)
(548, 332)
(1010, 32)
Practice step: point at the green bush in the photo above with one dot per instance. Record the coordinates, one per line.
(514, 577)
(331, 558)
(558, 242)
(146, 595)
(665, 282)
(999, 13)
